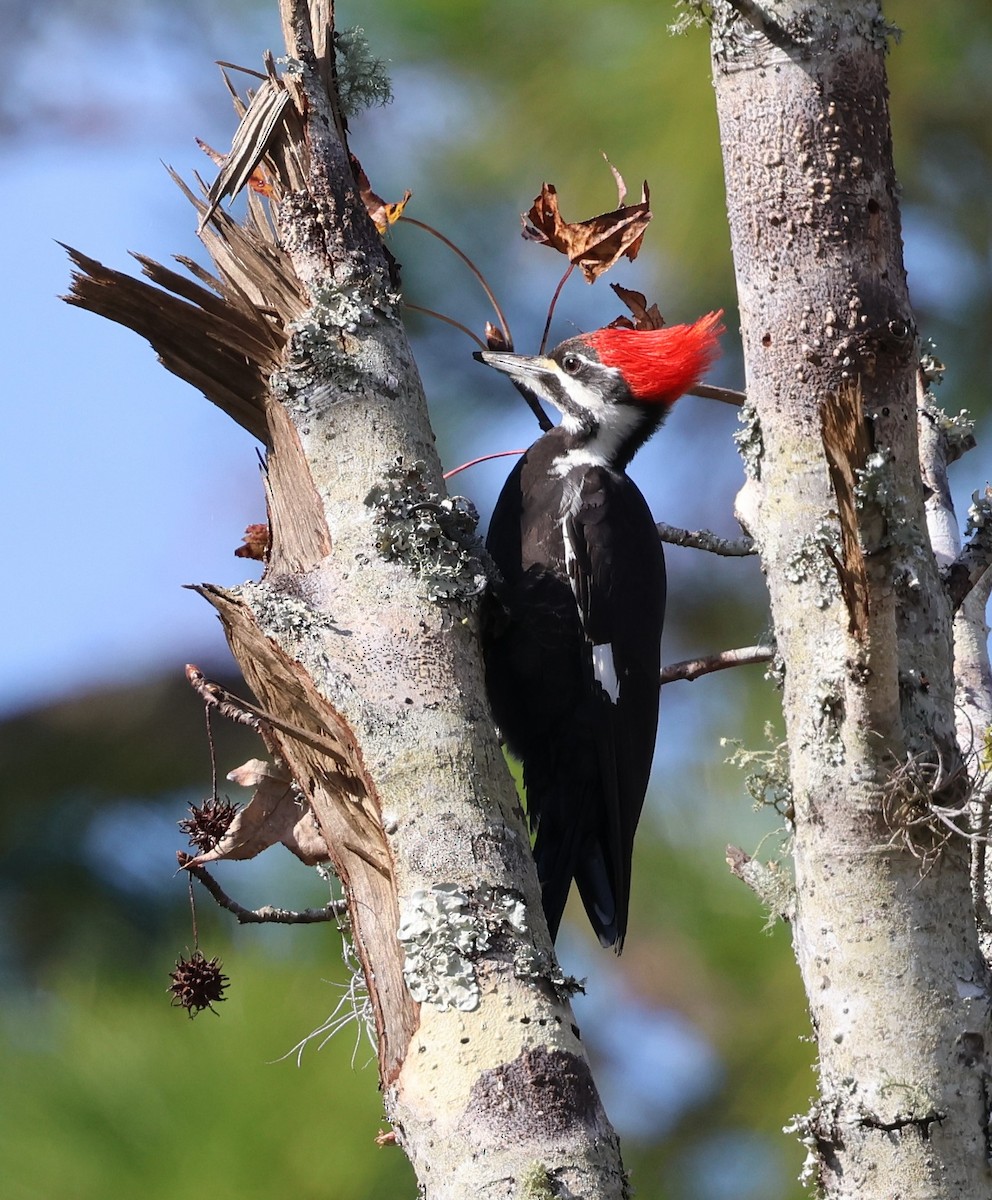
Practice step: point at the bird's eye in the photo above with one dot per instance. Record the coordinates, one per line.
(571, 363)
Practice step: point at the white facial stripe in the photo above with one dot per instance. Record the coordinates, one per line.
(618, 423)
(605, 670)
(542, 376)
(578, 403)
(579, 395)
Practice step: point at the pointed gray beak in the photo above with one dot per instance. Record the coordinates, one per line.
(517, 366)
(526, 375)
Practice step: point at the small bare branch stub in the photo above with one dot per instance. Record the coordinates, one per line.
(704, 539)
(336, 910)
(709, 391)
(246, 713)
(693, 668)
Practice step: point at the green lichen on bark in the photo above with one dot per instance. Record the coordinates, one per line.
(433, 535)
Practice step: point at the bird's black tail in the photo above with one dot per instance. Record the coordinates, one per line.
(566, 849)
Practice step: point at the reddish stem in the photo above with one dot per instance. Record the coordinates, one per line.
(473, 268)
(430, 312)
(551, 306)
(485, 458)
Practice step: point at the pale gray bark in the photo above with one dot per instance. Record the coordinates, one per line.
(884, 925)
(298, 338)
(373, 660)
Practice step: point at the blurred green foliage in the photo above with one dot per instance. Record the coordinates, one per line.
(113, 1094)
(108, 1092)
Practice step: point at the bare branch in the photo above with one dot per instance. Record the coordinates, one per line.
(430, 312)
(258, 719)
(693, 668)
(773, 886)
(551, 307)
(968, 568)
(267, 915)
(503, 324)
(473, 462)
(707, 391)
(705, 539)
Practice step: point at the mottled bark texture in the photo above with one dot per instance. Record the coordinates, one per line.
(362, 634)
(885, 925)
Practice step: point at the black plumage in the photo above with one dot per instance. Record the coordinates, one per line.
(586, 755)
(572, 626)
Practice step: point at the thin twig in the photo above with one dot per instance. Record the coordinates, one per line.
(267, 915)
(239, 710)
(693, 668)
(192, 915)
(551, 307)
(707, 391)
(430, 312)
(474, 462)
(207, 713)
(472, 267)
(705, 539)
(234, 67)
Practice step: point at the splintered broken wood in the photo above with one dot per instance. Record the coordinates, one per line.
(224, 333)
(346, 805)
(255, 132)
(226, 330)
(211, 350)
(847, 441)
(299, 537)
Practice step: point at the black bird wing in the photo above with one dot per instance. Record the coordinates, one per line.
(616, 570)
(571, 637)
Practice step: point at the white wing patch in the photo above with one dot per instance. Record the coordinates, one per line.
(603, 667)
(570, 504)
(605, 670)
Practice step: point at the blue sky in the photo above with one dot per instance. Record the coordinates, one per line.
(121, 484)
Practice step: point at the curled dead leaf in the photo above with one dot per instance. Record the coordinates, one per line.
(275, 814)
(495, 338)
(383, 212)
(596, 244)
(644, 317)
(255, 544)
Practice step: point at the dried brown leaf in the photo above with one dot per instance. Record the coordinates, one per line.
(273, 815)
(495, 338)
(383, 212)
(621, 184)
(644, 317)
(596, 244)
(256, 543)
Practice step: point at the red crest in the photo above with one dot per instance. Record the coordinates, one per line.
(659, 365)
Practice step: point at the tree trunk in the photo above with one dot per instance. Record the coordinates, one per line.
(885, 926)
(360, 643)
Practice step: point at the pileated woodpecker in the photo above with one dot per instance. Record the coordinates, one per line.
(572, 629)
